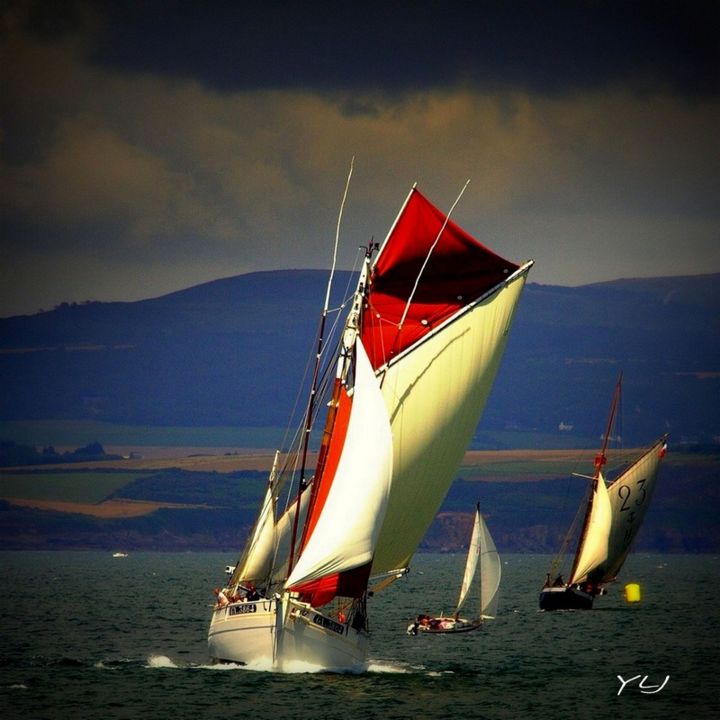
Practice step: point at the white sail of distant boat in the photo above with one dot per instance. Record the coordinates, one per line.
(615, 511)
(406, 384)
(482, 553)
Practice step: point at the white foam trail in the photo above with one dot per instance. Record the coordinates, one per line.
(160, 661)
(385, 666)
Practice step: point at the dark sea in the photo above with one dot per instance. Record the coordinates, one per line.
(86, 635)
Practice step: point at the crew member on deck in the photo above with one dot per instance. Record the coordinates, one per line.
(222, 599)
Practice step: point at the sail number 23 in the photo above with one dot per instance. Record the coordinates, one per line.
(625, 493)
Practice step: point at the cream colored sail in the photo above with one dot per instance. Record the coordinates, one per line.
(435, 393)
(490, 572)
(481, 551)
(257, 562)
(346, 532)
(264, 561)
(593, 551)
(630, 496)
(471, 562)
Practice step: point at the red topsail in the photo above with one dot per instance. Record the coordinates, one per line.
(459, 271)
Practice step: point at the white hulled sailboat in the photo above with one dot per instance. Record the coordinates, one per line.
(417, 356)
(614, 513)
(482, 552)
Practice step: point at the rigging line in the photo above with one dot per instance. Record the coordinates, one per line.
(427, 257)
(337, 232)
(311, 400)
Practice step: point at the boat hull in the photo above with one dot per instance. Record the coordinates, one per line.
(251, 633)
(565, 598)
(311, 638)
(243, 633)
(443, 625)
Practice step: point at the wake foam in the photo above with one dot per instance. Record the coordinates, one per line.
(160, 661)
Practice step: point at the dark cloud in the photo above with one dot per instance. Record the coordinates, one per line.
(540, 47)
(146, 147)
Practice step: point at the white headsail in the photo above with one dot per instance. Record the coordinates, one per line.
(593, 550)
(346, 531)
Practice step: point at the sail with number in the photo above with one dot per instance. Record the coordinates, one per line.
(630, 495)
(614, 514)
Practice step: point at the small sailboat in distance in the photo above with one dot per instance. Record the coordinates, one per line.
(482, 552)
(402, 391)
(613, 515)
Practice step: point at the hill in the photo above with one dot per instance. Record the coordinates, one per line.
(233, 352)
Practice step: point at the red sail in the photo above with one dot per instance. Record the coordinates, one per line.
(351, 583)
(459, 270)
(328, 463)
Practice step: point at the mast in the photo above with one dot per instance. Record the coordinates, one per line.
(600, 461)
(302, 484)
(600, 458)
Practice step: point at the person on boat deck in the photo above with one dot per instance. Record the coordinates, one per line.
(222, 599)
(559, 582)
(252, 593)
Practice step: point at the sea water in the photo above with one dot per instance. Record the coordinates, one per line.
(86, 635)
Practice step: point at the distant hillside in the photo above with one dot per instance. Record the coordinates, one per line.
(215, 511)
(233, 352)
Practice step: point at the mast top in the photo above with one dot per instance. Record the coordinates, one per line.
(600, 458)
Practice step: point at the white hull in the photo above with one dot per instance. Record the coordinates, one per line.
(443, 625)
(304, 639)
(243, 633)
(311, 638)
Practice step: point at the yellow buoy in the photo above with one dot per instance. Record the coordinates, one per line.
(632, 592)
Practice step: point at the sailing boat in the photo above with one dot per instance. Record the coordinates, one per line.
(407, 382)
(614, 513)
(480, 551)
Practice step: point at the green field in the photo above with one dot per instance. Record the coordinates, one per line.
(78, 433)
(80, 487)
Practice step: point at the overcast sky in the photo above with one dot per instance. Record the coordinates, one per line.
(149, 146)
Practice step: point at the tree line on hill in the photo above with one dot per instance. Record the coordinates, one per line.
(14, 454)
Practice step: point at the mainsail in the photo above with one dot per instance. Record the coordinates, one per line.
(438, 310)
(471, 563)
(490, 573)
(630, 496)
